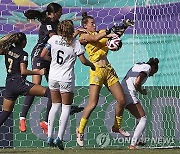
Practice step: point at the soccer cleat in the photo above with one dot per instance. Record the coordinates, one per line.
(76, 109)
(121, 131)
(58, 143)
(50, 141)
(80, 138)
(131, 147)
(44, 127)
(22, 125)
(141, 143)
(128, 22)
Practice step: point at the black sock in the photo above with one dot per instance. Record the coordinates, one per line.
(27, 104)
(49, 103)
(4, 115)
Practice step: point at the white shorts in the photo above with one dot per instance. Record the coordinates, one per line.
(131, 97)
(63, 87)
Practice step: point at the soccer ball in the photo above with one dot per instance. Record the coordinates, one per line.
(114, 43)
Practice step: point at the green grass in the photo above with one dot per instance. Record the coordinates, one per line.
(88, 151)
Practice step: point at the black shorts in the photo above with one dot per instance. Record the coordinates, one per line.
(37, 61)
(16, 86)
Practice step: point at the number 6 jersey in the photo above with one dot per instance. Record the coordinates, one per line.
(63, 58)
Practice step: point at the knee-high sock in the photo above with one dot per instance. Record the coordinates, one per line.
(27, 104)
(139, 130)
(52, 115)
(4, 115)
(49, 104)
(82, 125)
(63, 120)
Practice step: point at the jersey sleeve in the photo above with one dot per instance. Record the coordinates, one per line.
(24, 58)
(78, 48)
(146, 68)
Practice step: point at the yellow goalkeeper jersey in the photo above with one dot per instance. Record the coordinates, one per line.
(96, 50)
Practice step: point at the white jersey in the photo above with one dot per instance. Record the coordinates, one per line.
(129, 80)
(63, 58)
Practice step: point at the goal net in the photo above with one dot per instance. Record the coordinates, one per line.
(155, 34)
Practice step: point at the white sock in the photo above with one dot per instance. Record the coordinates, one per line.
(63, 120)
(51, 118)
(139, 130)
(21, 118)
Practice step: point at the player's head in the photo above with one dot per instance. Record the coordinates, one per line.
(153, 62)
(88, 22)
(18, 39)
(66, 30)
(53, 11)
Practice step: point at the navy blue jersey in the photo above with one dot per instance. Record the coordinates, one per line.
(44, 31)
(13, 58)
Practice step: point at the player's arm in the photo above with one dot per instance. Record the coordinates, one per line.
(25, 71)
(86, 61)
(45, 52)
(138, 83)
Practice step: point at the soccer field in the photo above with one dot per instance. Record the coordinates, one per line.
(90, 151)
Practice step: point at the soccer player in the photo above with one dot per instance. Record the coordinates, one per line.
(49, 20)
(64, 51)
(131, 84)
(16, 60)
(95, 45)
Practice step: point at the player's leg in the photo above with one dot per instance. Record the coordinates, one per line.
(118, 94)
(67, 99)
(56, 104)
(8, 106)
(36, 79)
(94, 91)
(138, 112)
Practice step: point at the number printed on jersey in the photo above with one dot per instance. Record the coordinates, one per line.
(49, 27)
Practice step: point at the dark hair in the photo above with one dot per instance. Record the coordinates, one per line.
(66, 30)
(153, 62)
(9, 39)
(85, 18)
(42, 16)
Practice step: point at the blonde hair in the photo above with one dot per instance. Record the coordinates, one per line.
(66, 30)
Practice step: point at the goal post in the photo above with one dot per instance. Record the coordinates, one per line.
(155, 34)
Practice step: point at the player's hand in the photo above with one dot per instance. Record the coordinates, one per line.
(42, 71)
(144, 92)
(81, 30)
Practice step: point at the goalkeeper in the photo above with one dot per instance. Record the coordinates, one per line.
(95, 46)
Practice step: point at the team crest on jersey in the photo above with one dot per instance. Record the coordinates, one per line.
(49, 27)
(38, 64)
(96, 79)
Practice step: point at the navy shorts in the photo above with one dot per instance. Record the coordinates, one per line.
(16, 86)
(37, 61)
